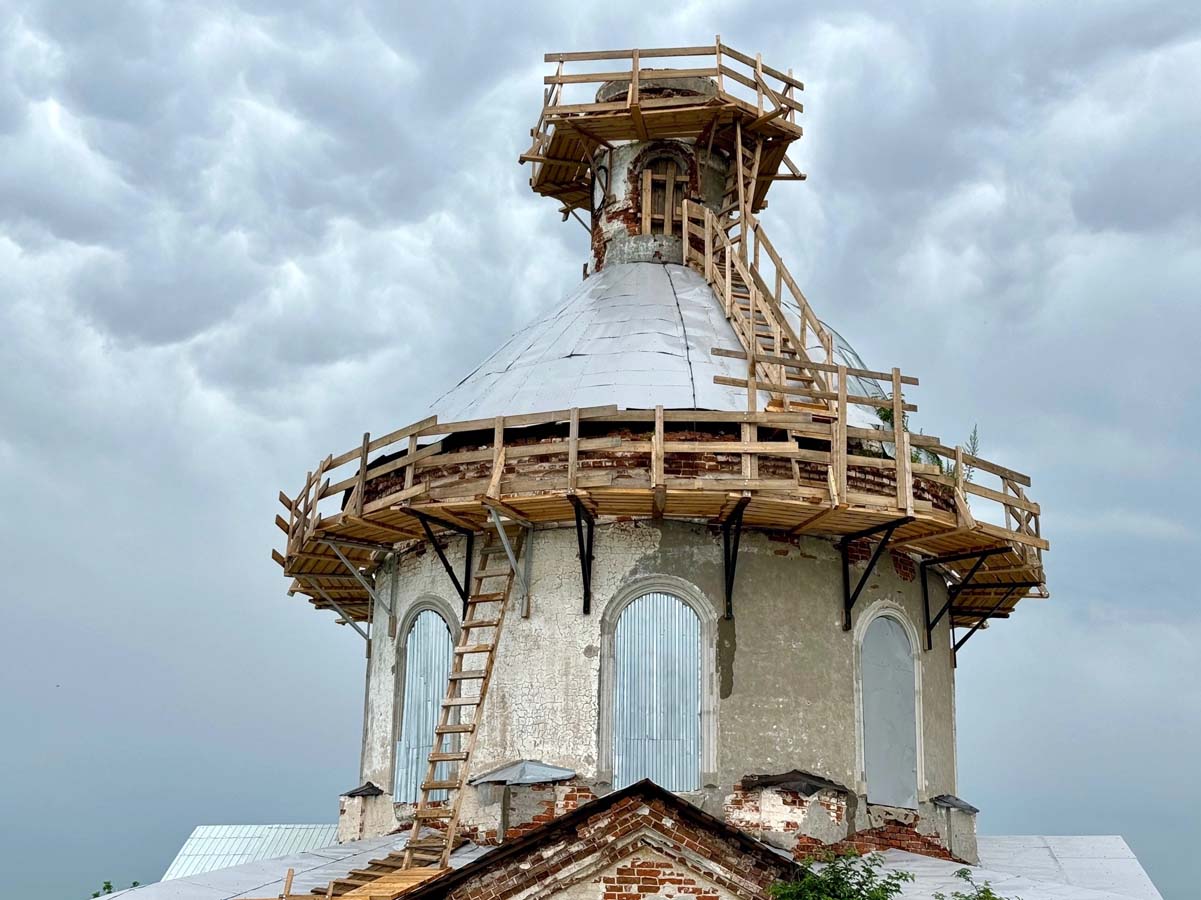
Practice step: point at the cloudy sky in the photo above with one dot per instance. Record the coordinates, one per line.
(234, 236)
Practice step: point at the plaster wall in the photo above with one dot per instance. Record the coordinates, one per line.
(783, 670)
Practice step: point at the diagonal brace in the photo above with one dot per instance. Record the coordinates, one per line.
(585, 525)
(340, 611)
(354, 570)
(851, 596)
(731, 537)
(426, 520)
(954, 590)
(504, 541)
(988, 615)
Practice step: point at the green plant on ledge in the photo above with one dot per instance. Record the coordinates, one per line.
(847, 876)
(978, 891)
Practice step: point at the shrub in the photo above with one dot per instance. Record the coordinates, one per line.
(844, 877)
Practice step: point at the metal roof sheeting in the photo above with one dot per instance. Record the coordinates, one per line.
(636, 334)
(212, 847)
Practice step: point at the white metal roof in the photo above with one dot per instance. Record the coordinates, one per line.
(1032, 867)
(313, 868)
(636, 334)
(212, 847)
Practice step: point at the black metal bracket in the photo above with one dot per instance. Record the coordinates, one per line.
(731, 537)
(426, 521)
(988, 615)
(585, 526)
(954, 590)
(849, 597)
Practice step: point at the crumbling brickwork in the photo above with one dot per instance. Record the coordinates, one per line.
(632, 839)
(890, 836)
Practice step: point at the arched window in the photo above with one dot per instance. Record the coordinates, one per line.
(427, 654)
(888, 699)
(657, 693)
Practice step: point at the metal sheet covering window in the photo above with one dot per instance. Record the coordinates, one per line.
(427, 664)
(657, 694)
(889, 714)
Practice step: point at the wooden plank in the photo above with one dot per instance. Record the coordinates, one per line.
(646, 201)
(810, 364)
(597, 55)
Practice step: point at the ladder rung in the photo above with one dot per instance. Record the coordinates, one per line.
(461, 701)
(439, 786)
(501, 574)
(427, 843)
(473, 648)
(481, 623)
(494, 597)
(427, 853)
(465, 728)
(434, 812)
(457, 756)
(467, 674)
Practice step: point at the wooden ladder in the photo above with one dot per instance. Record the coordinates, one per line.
(462, 707)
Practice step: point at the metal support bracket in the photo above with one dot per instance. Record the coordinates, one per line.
(731, 537)
(340, 611)
(354, 570)
(849, 597)
(963, 640)
(504, 542)
(426, 521)
(584, 522)
(954, 590)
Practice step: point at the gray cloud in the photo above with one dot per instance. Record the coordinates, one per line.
(234, 236)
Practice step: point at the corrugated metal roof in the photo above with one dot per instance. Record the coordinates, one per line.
(637, 334)
(212, 847)
(265, 877)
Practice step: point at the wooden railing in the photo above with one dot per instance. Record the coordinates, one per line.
(739, 77)
(501, 466)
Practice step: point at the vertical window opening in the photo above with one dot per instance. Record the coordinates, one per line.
(657, 694)
(664, 188)
(889, 705)
(427, 663)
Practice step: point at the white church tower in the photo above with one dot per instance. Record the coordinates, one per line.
(675, 529)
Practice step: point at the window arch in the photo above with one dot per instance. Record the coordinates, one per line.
(427, 647)
(657, 686)
(889, 705)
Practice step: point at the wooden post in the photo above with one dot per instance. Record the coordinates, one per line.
(411, 469)
(900, 438)
(669, 199)
(634, 66)
(573, 448)
(657, 479)
(684, 230)
(721, 83)
(741, 190)
(729, 297)
(709, 245)
(360, 487)
(840, 437)
(646, 200)
(759, 80)
(752, 383)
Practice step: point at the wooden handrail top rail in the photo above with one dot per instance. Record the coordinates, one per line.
(820, 366)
